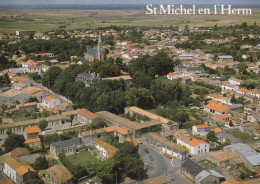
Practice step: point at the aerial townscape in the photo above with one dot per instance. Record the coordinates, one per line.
(131, 104)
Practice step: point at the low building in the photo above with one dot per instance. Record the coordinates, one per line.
(58, 174)
(126, 78)
(166, 123)
(249, 156)
(89, 78)
(201, 130)
(12, 96)
(235, 81)
(26, 106)
(21, 79)
(226, 58)
(198, 174)
(224, 158)
(67, 147)
(195, 146)
(32, 136)
(50, 101)
(166, 146)
(105, 150)
(86, 117)
(17, 171)
(216, 108)
(250, 127)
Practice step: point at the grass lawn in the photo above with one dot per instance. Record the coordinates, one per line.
(244, 136)
(82, 158)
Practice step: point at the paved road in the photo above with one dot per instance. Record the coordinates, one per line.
(162, 165)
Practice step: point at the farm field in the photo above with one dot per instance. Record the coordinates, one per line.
(51, 19)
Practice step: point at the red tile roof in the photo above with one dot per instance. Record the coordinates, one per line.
(20, 79)
(17, 152)
(31, 130)
(32, 140)
(86, 113)
(117, 129)
(202, 126)
(216, 107)
(48, 98)
(196, 142)
(111, 149)
(172, 74)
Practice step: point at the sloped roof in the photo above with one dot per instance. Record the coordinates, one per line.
(192, 167)
(32, 140)
(31, 130)
(92, 52)
(65, 143)
(49, 98)
(216, 107)
(196, 142)
(20, 79)
(60, 173)
(202, 126)
(111, 149)
(88, 114)
(17, 152)
(117, 129)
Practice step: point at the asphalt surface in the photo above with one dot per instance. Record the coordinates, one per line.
(161, 165)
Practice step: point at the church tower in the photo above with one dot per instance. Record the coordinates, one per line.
(100, 51)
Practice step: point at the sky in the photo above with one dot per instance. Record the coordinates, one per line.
(13, 2)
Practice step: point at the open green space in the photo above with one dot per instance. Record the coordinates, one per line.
(81, 158)
(243, 136)
(45, 20)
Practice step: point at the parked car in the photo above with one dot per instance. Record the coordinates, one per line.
(146, 151)
(168, 156)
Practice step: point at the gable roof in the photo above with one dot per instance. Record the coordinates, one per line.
(31, 130)
(202, 126)
(20, 168)
(17, 152)
(88, 114)
(216, 107)
(196, 142)
(20, 79)
(48, 98)
(32, 140)
(65, 143)
(192, 167)
(117, 129)
(60, 173)
(108, 147)
(31, 90)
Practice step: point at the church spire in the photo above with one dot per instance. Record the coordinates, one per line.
(100, 53)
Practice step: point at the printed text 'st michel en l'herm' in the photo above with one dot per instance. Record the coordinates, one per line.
(181, 10)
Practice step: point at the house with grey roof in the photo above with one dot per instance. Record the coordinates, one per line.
(89, 78)
(200, 175)
(226, 58)
(196, 69)
(249, 156)
(67, 147)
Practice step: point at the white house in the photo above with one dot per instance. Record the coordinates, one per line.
(226, 86)
(86, 117)
(216, 108)
(244, 91)
(256, 93)
(105, 150)
(172, 76)
(195, 146)
(15, 170)
(50, 101)
(37, 69)
(235, 81)
(200, 129)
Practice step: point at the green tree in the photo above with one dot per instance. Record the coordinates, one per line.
(107, 170)
(43, 124)
(233, 99)
(13, 141)
(50, 76)
(211, 136)
(242, 66)
(41, 163)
